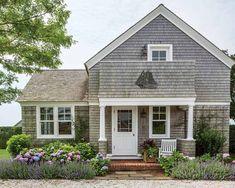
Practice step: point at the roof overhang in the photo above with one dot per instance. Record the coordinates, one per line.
(161, 10)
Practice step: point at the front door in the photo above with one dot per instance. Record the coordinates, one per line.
(124, 131)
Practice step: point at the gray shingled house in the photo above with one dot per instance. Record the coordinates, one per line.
(154, 81)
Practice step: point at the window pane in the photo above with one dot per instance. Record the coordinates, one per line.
(156, 109)
(162, 55)
(155, 116)
(162, 109)
(124, 121)
(68, 110)
(43, 117)
(49, 110)
(46, 113)
(65, 128)
(159, 127)
(47, 128)
(42, 110)
(61, 117)
(60, 110)
(162, 116)
(155, 55)
(68, 117)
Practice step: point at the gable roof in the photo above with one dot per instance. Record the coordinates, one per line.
(56, 85)
(161, 10)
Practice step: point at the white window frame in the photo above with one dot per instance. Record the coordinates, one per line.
(56, 134)
(162, 47)
(167, 135)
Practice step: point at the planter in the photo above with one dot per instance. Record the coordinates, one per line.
(148, 159)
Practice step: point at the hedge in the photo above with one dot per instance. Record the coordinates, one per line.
(6, 133)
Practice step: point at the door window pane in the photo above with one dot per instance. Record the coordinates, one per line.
(124, 121)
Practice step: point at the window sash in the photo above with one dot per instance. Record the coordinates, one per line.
(56, 122)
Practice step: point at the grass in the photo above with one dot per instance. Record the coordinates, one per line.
(4, 154)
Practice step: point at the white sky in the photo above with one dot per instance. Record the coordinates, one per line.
(95, 23)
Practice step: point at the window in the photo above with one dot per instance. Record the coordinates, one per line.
(65, 121)
(47, 120)
(159, 52)
(124, 120)
(159, 117)
(55, 122)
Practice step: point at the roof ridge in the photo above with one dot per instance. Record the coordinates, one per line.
(63, 69)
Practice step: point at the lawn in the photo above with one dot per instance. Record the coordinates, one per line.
(4, 154)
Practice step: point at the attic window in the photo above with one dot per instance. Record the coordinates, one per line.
(159, 52)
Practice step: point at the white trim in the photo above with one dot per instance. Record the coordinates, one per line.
(167, 135)
(166, 47)
(49, 103)
(190, 123)
(213, 103)
(94, 104)
(102, 124)
(113, 157)
(178, 22)
(56, 129)
(146, 101)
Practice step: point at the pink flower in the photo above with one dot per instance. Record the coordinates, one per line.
(69, 159)
(70, 154)
(78, 156)
(225, 155)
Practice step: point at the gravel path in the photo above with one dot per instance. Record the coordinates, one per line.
(115, 183)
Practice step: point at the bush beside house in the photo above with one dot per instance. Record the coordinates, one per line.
(6, 133)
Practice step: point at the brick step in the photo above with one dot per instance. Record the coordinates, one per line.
(133, 165)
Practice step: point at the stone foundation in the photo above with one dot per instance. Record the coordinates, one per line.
(187, 147)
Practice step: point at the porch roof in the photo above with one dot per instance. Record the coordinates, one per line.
(175, 79)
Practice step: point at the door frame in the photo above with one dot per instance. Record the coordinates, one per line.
(134, 111)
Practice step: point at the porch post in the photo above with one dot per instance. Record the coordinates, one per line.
(102, 124)
(190, 123)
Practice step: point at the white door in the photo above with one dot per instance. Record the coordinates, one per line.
(124, 131)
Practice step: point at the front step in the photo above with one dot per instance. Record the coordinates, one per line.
(133, 165)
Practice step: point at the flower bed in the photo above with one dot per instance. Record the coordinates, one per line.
(201, 168)
(56, 160)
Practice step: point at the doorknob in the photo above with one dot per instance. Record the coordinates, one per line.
(133, 134)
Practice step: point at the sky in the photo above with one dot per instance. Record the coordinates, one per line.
(95, 23)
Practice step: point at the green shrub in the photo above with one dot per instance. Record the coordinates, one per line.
(19, 170)
(208, 140)
(17, 143)
(167, 163)
(100, 165)
(197, 170)
(212, 141)
(6, 133)
(190, 169)
(87, 151)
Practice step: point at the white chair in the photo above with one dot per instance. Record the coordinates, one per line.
(167, 147)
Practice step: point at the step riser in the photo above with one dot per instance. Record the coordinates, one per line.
(113, 169)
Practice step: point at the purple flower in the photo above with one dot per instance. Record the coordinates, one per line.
(31, 160)
(70, 154)
(53, 155)
(27, 155)
(49, 162)
(18, 157)
(25, 159)
(21, 159)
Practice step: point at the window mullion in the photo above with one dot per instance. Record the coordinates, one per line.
(56, 126)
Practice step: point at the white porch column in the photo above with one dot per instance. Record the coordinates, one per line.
(102, 124)
(190, 123)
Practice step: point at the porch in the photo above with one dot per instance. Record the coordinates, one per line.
(126, 123)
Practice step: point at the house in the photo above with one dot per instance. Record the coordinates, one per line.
(154, 81)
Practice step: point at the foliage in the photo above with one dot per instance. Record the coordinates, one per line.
(212, 141)
(100, 165)
(6, 133)
(208, 140)
(167, 163)
(32, 35)
(87, 151)
(198, 170)
(81, 130)
(20, 170)
(17, 143)
(150, 148)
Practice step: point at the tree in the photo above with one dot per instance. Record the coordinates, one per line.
(232, 86)
(32, 33)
